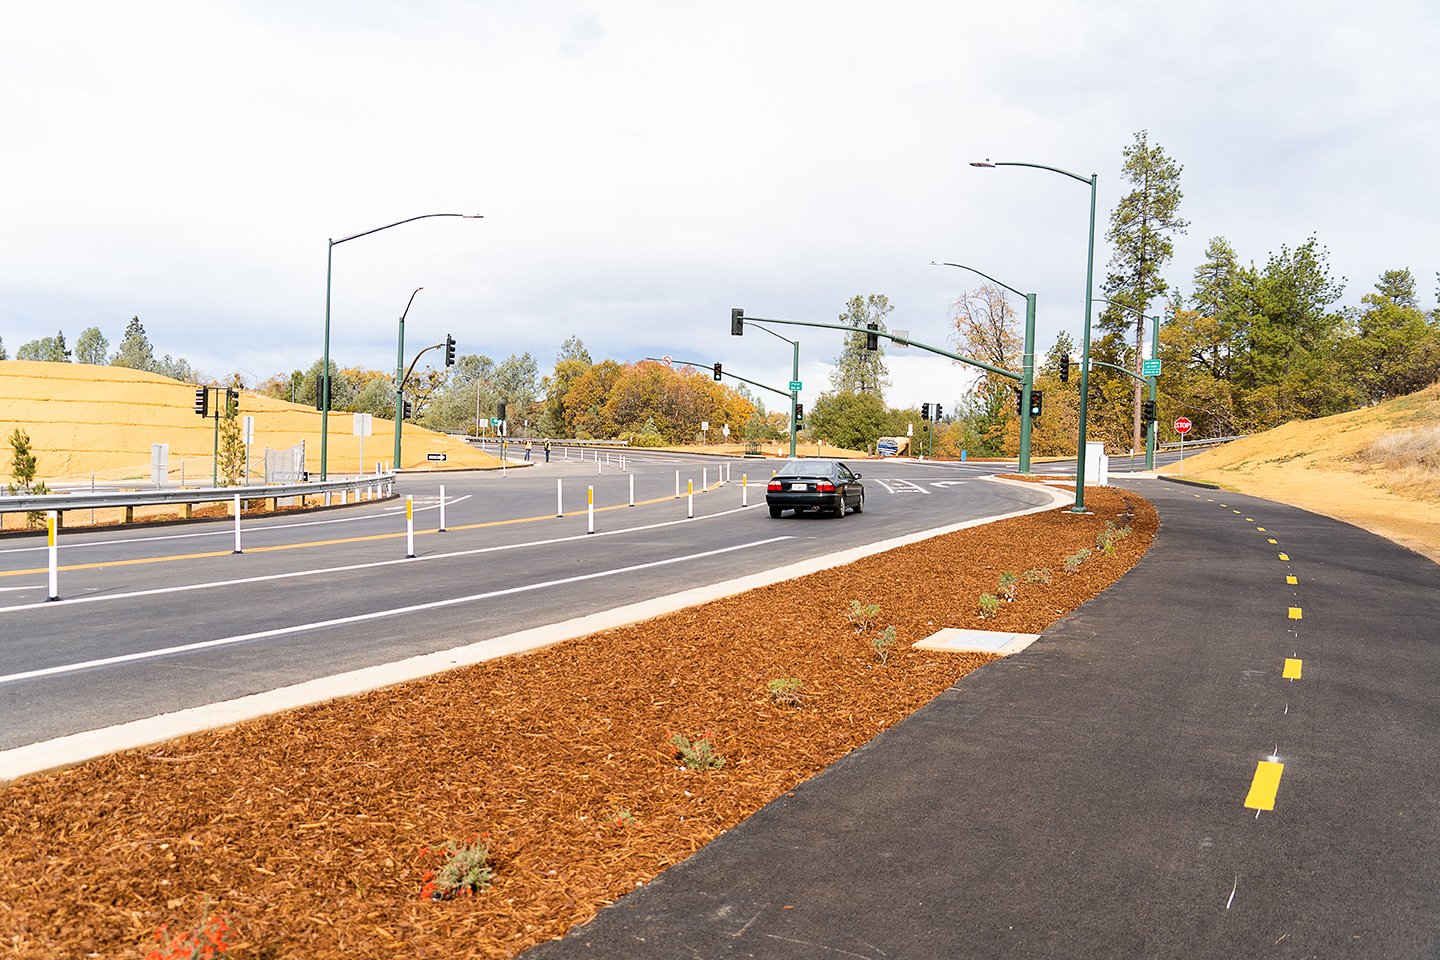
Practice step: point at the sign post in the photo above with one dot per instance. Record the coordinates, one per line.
(1182, 427)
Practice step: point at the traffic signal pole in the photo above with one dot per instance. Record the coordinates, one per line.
(399, 379)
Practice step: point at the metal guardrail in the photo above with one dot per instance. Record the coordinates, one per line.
(98, 500)
(1198, 443)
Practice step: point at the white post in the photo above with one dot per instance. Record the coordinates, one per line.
(744, 490)
(559, 507)
(632, 489)
(327, 498)
(704, 479)
(442, 508)
(237, 525)
(622, 463)
(52, 520)
(599, 468)
(607, 458)
(690, 501)
(677, 484)
(409, 527)
(591, 527)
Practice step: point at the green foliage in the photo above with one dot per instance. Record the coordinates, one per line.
(1039, 575)
(851, 420)
(2, 349)
(134, 350)
(23, 462)
(1009, 582)
(49, 349)
(91, 347)
(466, 872)
(989, 605)
(862, 616)
(858, 370)
(697, 754)
(232, 451)
(884, 643)
(1074, 561)
(786, 691)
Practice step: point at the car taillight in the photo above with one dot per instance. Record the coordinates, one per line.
(825, 486)
(774, 486)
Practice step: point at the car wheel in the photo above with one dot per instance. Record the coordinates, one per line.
(840, 510)
(860, 504)
(774, 512)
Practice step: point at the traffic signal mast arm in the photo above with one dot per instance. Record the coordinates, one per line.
(1129, 373)
(725, 373)
(896, 339)
(411, 369)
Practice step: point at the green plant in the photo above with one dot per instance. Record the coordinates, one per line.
(206, 939)
(624, 818)
(989, 605)
(1041, 575)
(23, 464)
(786, 691)
(697, 754)
(464, 873)
(1009, 581)
(1073, 562)
(862, 615)
(883, 642)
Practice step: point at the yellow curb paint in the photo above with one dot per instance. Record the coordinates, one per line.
(1265, 785)
(1292, 669)
(1284, 556)
(1291, 580)
(1294, 613)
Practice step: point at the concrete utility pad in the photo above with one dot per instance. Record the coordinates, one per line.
(954, 640)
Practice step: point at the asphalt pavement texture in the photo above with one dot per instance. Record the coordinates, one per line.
(1112, 790)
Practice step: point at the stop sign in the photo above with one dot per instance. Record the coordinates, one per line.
(1182, 425)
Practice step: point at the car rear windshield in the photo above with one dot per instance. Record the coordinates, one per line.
(807, 468)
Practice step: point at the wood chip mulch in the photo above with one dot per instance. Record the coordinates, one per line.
(313, 831)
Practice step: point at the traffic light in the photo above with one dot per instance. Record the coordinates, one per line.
(717, 371)
(1147, 413)
(799, 416)
(938, 413)
(924, 411)
(202, 402)
(449, 350)
(500, 411)
(232, 401)
(1064, 368)
(322, 393)
(408, 410)
(1037, 402)
(737, 321)
(872, 341)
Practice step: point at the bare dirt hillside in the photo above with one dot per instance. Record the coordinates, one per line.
(83, 418)
(1326, 466)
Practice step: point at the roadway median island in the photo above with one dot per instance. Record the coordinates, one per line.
(315, 833)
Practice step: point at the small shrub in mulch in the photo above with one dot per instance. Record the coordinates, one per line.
(301, 829)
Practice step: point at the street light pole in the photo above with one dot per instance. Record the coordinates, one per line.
(794, 378)
(1027, 384)
(1093, 180)
(400, 380)
(1154, 355)
(324, 386)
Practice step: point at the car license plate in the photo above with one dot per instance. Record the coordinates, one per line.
(797, 486)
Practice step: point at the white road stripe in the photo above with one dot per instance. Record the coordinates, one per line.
(364, 617)
(888, 488)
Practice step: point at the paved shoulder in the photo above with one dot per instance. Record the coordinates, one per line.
(1232, 752)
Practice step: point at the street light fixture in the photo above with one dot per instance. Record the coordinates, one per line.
(1027, 384)
(1092, 180)
(324, 385)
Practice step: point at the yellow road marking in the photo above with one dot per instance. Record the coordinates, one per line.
(1291, 580)
(1234, 511)
(1294, 613)
(1265, 785)
(1284, 556)
(314, 543)
(1260, 529)
(1292, 669)
(1249, 519)
(1271, 540)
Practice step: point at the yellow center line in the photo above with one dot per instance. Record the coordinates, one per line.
(1265, 785)
(1290, 579)
(1260, 529)
(312, 543)
(1271, 540)
(1294, 613)
(1284, 556)
(1292, 669)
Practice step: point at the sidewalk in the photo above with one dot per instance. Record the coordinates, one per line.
(1100, 794)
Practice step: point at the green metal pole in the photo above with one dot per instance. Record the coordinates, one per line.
(1085, 357)
(1150, 428)
(1027, 386)
(794, 396)
(325, 364)
(399, 387)
(215, 459)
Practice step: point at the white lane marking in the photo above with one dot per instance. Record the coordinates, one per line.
(943, 483)
(13, 589)
(377, 615)
(915, 487)
(185, 588)
(227, 532)
(888, 488)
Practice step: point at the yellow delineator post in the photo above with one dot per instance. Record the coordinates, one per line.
(52, 520)
(690, 504)
(409, 527)
(591, 521)
(744, 490)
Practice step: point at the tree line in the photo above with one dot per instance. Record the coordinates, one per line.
(92, 346)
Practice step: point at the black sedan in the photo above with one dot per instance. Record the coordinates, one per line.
(815, 485)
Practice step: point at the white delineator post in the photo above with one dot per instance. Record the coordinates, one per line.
(237, 525)
(677, 484)
(52, 520)
(632, 489)
(690, 500)
(559, 500)
(704, 479)
(591, 523)
(744, 491)
(409, 527)
(442, 508)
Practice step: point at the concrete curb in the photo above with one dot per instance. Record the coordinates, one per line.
(87, 745)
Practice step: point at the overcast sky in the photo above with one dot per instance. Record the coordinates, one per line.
(642, 167)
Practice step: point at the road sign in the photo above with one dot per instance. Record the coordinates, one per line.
(665, 360)
(494, 421)
(437, 457)
(1182, 426)
(248, 430)
(1150, 368)
(796, 386)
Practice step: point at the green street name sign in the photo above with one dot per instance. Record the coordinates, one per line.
(1150, 368)
(796, 386)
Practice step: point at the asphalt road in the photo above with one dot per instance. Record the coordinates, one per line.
(1233, 752)
(161, 618)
